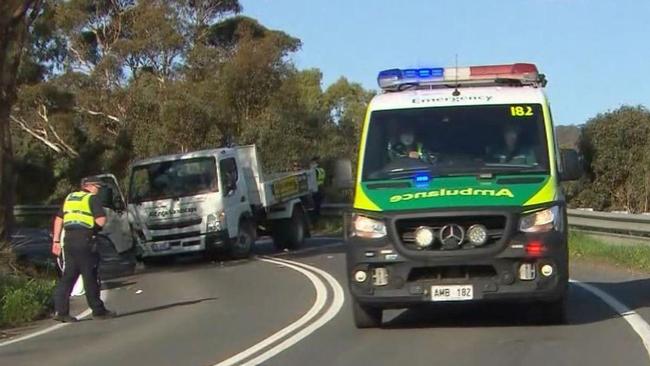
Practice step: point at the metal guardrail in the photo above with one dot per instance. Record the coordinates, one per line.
(611, 223)
(604, 222)
(593, 221)
(35, 210)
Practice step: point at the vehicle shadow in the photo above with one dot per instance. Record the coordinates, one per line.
(583, 308)
(115, 284)
(165, 307)
(634, 294)
(263, 247)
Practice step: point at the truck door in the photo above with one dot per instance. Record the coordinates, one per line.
(117, 227)
(234, 192)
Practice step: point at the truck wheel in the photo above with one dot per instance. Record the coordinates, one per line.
(242, 246)
(279, 233)
(290, 233)
(366, 317)
(297, 229)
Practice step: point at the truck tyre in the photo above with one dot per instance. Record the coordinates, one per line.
(279, 233)
(290, 233)
(365, 316)
(242, 246)
(297, 229)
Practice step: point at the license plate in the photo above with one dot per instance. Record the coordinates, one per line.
(157, 247)
(452, 293)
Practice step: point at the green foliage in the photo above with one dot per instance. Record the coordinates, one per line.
(122, 80)
(616, 149)
(328, 226)
(23, 300)
(631, 256)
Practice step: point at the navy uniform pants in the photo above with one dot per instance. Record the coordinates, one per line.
(79, 258)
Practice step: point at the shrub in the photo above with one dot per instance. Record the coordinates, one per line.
(23, 300)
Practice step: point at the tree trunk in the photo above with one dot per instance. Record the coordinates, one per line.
(7, 186)
(14, 24)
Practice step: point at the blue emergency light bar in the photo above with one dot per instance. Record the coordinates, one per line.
(398, 79)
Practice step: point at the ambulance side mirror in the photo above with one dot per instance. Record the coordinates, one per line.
(571, 165)
(342, 177)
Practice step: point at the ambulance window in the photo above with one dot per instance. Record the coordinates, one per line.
(463, 140)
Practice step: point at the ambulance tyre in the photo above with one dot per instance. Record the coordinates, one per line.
(365, 316)
(242, 246)
(555, 312)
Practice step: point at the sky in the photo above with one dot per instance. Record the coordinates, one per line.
(595, 53)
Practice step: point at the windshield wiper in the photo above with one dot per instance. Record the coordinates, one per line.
(508, 166)
(510, 169)
(407, 173)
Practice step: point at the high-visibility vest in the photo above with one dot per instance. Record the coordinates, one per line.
(77, 211)
(320, 176)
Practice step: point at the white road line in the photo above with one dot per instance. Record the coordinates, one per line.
(640, 326)
(334, 308)
(319, 304)
(52, 328)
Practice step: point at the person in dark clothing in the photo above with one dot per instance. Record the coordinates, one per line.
(320, 179)
(80, 216)
(512, 150)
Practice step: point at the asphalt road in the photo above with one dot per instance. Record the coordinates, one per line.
(191, 312)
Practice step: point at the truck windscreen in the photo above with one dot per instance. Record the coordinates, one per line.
(170, 179)
(447, 141)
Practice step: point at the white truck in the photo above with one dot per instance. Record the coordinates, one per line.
(215, 201)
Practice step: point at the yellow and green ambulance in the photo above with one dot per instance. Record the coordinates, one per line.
(457, 195)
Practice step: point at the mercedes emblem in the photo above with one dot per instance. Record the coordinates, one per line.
(452, 236)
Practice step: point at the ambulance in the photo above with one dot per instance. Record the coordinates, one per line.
(457, 196)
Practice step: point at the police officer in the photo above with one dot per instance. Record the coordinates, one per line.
(81, 215)
(320, 178)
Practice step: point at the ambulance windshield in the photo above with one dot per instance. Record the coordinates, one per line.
(447, 141)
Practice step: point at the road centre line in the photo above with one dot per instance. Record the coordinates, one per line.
(638, 324)
(335, 307)
(319, 304)
(104, 294)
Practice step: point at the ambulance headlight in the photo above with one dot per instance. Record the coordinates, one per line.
(365, 227)
(540, 221)
(424, 236)
(477, 234)
(215, 222)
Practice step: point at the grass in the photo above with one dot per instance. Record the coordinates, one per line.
(25, 290)
(24, 299)
(636, 257)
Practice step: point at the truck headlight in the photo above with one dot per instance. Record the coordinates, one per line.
(365, 227)
(215, 222)
(540, 221)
